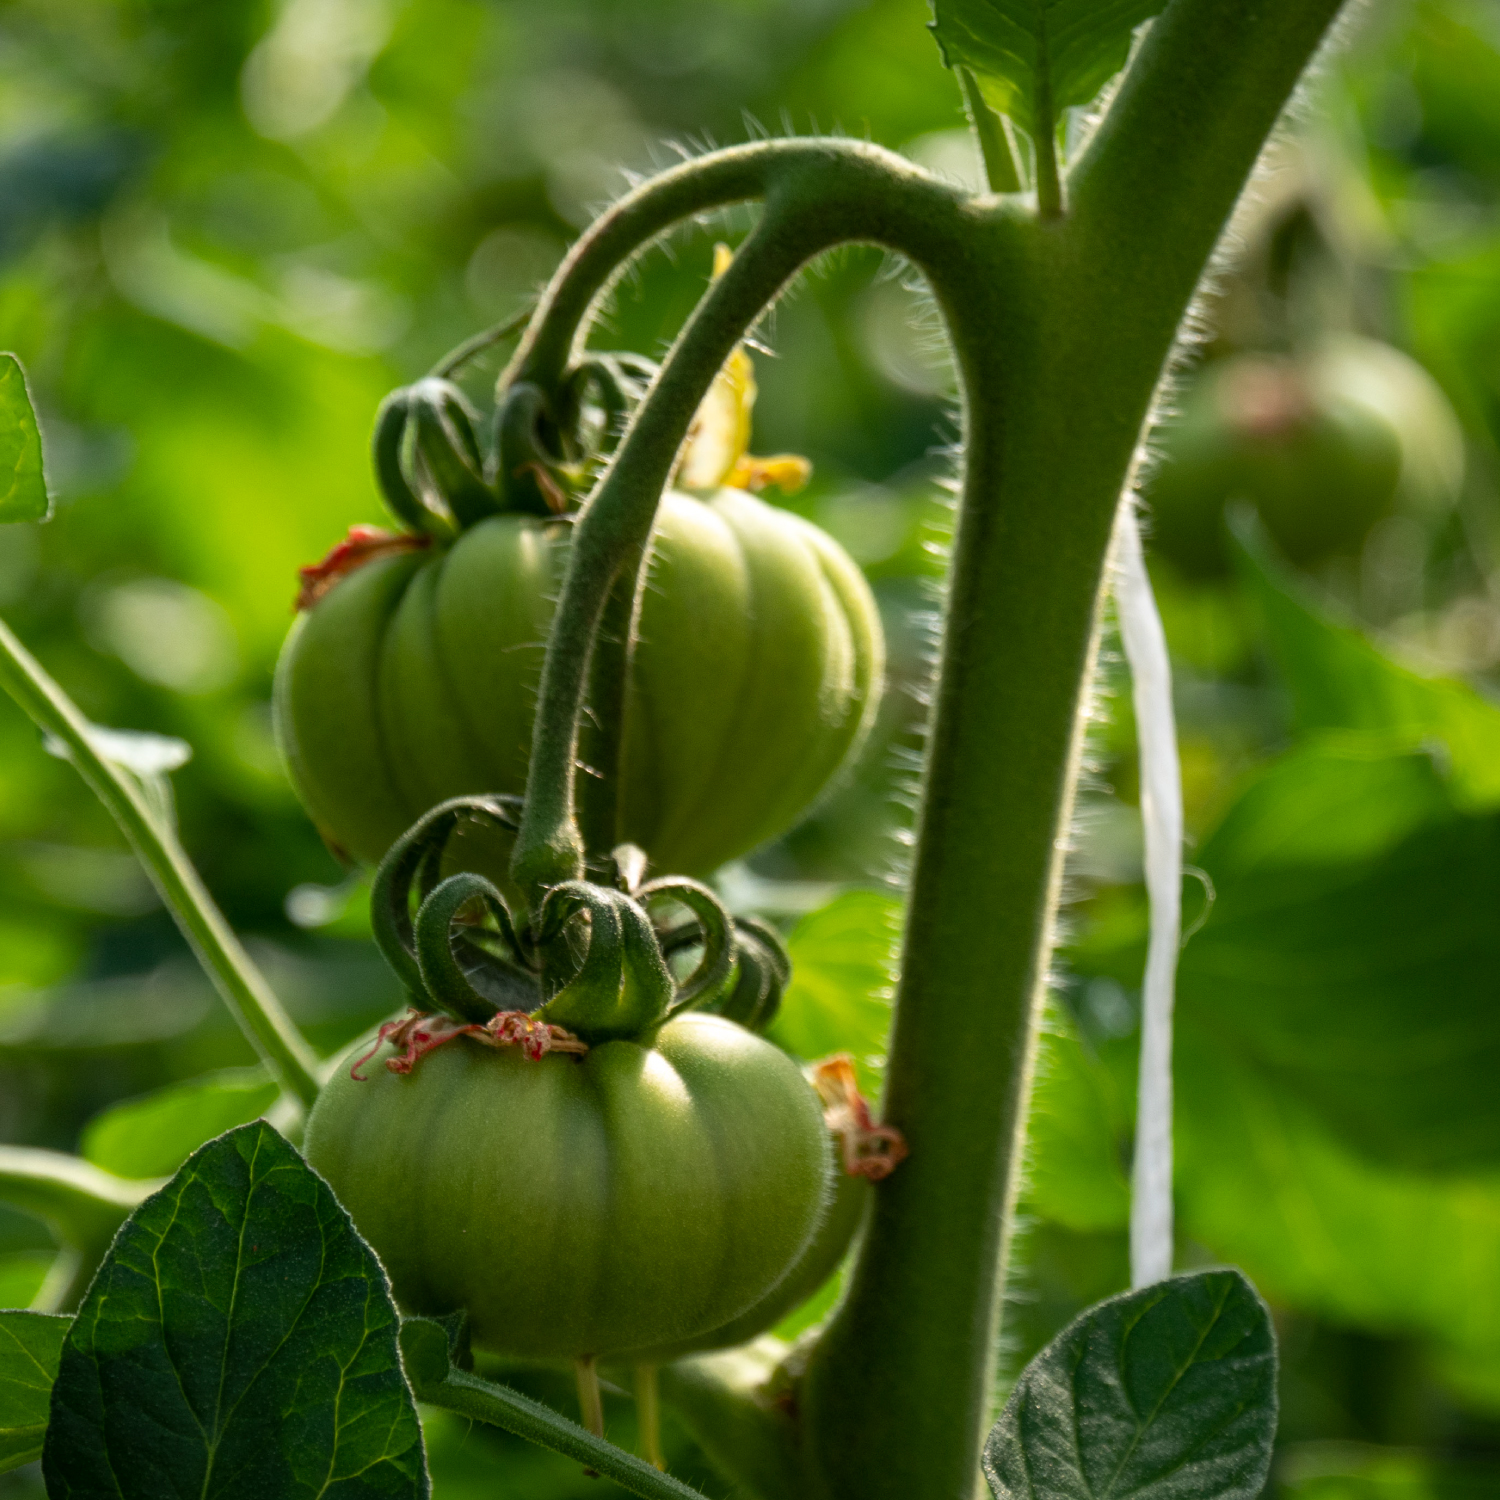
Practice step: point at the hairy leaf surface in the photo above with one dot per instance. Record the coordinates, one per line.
(1036, 58)
(30, 1346)
(1168, 1393)
(238, 1341)
(23, 487)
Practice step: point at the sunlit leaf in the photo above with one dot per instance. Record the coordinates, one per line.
(1168, 1393)
(239, 1340)
(153, 1135)
(22, 1275)
(1035, 58)
(30, 1346)
(1339, 680)
(839, 999)
(1075, 1174)
(1352, 955)
(23, 486)
(1331, 1231)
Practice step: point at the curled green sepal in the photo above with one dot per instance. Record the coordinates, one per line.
(762, 971)
(715, 932)
(386, 447)
(446, 459)
(448, 983)
(524, 462)
(622, 986)
(410, 872)
(614, 384)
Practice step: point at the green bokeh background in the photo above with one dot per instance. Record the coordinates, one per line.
(227, 229)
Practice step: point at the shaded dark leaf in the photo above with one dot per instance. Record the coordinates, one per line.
(238, 1341)
(30, 1346)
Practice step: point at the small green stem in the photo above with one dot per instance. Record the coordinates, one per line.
(241, 985)
(648, 1414)
(484, 1401)
(602, 738)
(1001, 169)
(82, 1204)
(589, 1401)
(613, 530)
(735, 175)
(455, 359)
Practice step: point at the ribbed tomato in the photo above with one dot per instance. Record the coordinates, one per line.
(758, 668)
(578, 1206)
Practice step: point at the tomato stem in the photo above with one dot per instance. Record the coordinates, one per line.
(240, 984)
(612, 531)
(602, 738)
(456, 358)
(1058, 377)
(82, 1204)
(648, 1414)
(590, 1402)
(817, 194)
(996, 143)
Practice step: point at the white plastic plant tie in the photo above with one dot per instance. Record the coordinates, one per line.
(1161, 816)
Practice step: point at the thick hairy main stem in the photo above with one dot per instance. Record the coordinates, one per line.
(1058, 368)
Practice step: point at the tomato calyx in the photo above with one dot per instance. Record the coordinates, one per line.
(362, 544)
(866, 1149)
(597, 958)
(417, 1033)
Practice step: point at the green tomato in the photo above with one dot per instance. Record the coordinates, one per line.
(635, 1196)
(757, 672)
(822, 1257)
(1323, 446)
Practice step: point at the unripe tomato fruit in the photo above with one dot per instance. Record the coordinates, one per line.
(1322, 445)
(757, 671)
(635, 1196)
(818, 1261)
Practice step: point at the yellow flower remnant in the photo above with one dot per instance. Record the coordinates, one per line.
(716, 452)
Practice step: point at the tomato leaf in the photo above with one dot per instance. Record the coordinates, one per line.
(1338, 680)
(1168, 1393)
(30, 1346)
(151, 1136)
(23, 486)
(1074, 1168)
(1334, 1233)
(1364, 984)
(1351, 954)
(839, 998)
(239, 1340)
(1035, 58)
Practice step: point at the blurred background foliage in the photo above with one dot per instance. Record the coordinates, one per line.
(228, 229)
